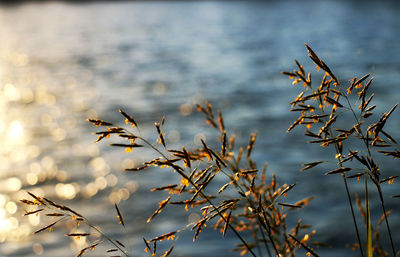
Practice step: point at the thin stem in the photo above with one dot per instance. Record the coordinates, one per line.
(267, 227)
(368, 225)
(386, 220)
(95, 228)
(353, 215)
(349, 198)
(265, 242)
(105, 236)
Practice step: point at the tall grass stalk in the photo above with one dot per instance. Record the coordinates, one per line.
(323, 108)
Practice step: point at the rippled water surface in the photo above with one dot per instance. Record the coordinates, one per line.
(61, 63)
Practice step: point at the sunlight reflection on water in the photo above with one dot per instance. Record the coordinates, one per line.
(62, 63)
(30, 127)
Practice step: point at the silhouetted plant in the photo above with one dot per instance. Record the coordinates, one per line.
(246, 203)
(321, 109)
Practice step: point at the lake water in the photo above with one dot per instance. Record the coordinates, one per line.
(61, 63)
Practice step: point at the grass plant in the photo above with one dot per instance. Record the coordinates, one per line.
(253, 208)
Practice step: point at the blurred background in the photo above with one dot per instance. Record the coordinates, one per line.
(61, 63)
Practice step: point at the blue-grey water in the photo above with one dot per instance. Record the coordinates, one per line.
(61, 63)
